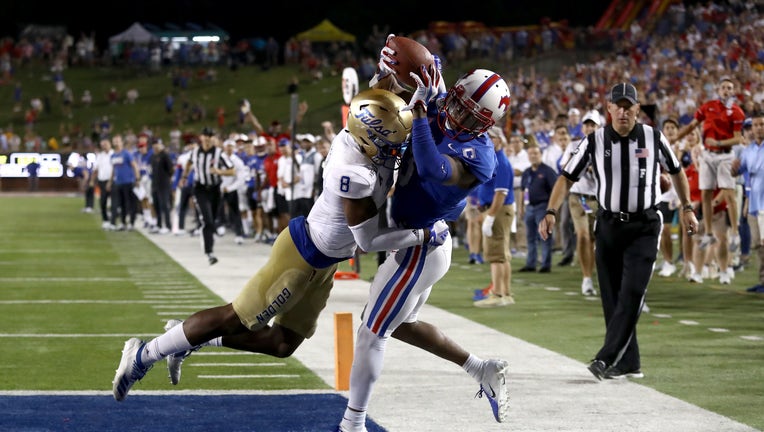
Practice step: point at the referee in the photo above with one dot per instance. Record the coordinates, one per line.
(208, 165)
(625, 157)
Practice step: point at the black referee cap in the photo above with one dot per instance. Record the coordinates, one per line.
(624, 91)
(208, 131)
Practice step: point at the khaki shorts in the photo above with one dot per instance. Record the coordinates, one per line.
(719, 224)
(471, 212)
(496, 247)
(286, 289)
(581, 219)
(716, 169)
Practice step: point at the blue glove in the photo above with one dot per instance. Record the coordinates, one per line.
(438, 233)
(439, 66)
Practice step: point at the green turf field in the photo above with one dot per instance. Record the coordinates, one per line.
(71, 294)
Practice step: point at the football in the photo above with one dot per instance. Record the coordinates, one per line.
(665, 182)
(410, 54)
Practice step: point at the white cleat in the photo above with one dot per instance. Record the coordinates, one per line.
(667, 269)
(130, 369)
(587, 287)
(175, 361)
(494, 387)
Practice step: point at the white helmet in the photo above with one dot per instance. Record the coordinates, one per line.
(477, 101)
(378, 125)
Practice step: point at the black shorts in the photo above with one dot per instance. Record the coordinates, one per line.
(282, 206)
(668, 214)
(251, 200)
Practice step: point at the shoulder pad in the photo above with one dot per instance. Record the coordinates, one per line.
(350, 181)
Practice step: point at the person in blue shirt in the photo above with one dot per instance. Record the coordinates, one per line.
(125, 176)
(751, 162)
(450, 154)
(497, 198)
(538, 180)
(33, 171)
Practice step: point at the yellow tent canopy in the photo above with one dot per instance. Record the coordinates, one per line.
(325, 31)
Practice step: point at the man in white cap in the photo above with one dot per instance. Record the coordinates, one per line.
(583, 208)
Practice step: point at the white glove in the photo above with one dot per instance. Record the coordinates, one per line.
(386, 58)
(438, 233)
(487, 227)
(426, 87)
(385, 64)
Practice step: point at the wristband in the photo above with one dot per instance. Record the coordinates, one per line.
(688, 208)
(552, 212)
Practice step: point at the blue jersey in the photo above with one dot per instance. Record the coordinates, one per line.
(144, 162)
(503, 180)
(418, 203)
(257, 175)
(123, 167)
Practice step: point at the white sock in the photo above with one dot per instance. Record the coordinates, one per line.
(367, 367)
(173, 341)
(474, 367)
(217, 342)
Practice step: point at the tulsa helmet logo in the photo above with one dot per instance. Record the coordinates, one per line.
(373, 123)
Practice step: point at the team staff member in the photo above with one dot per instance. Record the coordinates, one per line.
(497, 202)
(722, 128)
(626, 158)
(208, 165)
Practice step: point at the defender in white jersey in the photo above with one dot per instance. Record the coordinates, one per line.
(293, 286)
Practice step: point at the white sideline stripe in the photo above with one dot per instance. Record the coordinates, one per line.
(173, 291)
(752, 338)
(162, 392)
(75, 335)
(163, 306)
(245, 376)
(235, 364)
(225, 353)
(186, 313)
(82, 302)
(63, 279)
(185, 296)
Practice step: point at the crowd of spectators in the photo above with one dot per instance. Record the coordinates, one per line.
(675, 63)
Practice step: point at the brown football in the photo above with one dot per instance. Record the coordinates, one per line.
(410, 54)
(665, 182)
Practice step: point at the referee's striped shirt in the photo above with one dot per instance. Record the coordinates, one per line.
(626, 169)
(203, 161)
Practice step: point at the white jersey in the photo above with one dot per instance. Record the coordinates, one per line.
(586, 185)
(348, 174)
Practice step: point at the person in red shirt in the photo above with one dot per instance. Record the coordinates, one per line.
(722, 125)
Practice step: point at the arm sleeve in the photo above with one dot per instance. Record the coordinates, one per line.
(580, 158)
(371, 238)
(667, 157)
(430, 164)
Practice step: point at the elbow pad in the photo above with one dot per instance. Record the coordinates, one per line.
(430, 164)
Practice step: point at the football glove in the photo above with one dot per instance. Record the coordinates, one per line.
(487, 226)
(439, 65)
(438, 233)
(426, 87)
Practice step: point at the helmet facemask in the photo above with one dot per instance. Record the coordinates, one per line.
(463, 115)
